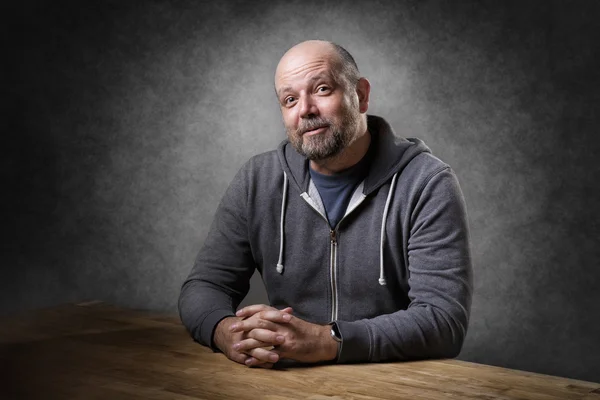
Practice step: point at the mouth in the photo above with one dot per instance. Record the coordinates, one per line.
(316, 131)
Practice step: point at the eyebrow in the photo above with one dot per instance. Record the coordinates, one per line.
(318, 77)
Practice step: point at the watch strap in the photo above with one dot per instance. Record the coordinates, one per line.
(335, 335)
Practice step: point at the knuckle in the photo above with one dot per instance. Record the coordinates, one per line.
(278, 316)
(259, 335)
(255, 335)
(251, 334)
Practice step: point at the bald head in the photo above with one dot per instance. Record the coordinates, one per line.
(323, 103)
(340, 61)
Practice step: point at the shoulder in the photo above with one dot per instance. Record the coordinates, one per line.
(438, 182)
(262, 160)
(258, 171)
(260, 168)
(423, 167)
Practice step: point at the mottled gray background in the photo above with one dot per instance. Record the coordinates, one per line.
(125, 121)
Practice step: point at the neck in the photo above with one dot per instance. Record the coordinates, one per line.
(346, 158)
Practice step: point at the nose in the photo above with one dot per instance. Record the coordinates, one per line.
(308, 108)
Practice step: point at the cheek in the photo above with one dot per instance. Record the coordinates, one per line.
(334, 109)
(289, 119)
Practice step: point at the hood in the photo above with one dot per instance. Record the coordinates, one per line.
(393, 154)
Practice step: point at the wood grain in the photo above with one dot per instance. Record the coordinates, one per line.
(96, 351)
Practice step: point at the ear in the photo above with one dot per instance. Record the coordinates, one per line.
(363, 90)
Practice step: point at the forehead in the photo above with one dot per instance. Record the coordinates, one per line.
(301, 68)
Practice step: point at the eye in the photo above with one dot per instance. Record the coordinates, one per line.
(289, 100)
(323, 89)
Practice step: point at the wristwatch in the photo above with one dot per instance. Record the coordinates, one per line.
(335, 335)
(335, 332)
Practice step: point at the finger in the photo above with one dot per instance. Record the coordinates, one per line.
(267, 337)
(262, 355)
(254, 323)
(252, 309)
(249, 344)
(280, 351)
(256, 308)
(275, 316)
(238, 357)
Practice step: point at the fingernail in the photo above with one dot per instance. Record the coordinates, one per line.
(248, 361)
(273, 358)
(286, 317)
(233, 327)
(236, 346)
(239, 313)
(280, 339)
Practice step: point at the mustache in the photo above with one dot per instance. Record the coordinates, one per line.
(311, 124)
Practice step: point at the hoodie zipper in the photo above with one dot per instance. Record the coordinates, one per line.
(333, 250)
(333, 274)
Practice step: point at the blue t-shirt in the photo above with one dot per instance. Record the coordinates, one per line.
(336, 190)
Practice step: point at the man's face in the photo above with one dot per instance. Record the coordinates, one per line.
(320, 113)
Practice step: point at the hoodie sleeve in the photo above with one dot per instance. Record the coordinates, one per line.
(220, 277)
(440, 278)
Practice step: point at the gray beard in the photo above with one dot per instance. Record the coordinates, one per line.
(323, 146)
(328, 144)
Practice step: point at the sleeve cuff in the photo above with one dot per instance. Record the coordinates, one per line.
(356, 342)
(209, 324)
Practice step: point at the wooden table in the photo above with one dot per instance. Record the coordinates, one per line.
(95, 351)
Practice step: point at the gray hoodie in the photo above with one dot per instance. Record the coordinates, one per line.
(395, 273)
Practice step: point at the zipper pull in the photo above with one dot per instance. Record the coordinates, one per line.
(332, 236)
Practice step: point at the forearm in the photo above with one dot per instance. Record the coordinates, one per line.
(201, 308)
(420, 332)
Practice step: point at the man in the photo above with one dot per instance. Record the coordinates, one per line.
(360, 237)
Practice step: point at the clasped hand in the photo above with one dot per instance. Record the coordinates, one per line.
(262, 335)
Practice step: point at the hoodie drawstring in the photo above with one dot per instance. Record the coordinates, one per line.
(283, 203)
(383, 222)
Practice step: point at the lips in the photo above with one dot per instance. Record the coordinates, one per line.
(315, 131)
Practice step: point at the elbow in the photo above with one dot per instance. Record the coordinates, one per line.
(181, 299)
(452, 349)
(451, 341)
(450, 333)
(180, 305)
(448, 346)
(187, 305)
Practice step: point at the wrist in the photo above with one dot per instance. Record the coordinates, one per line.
(221, 334)
(330, 346)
